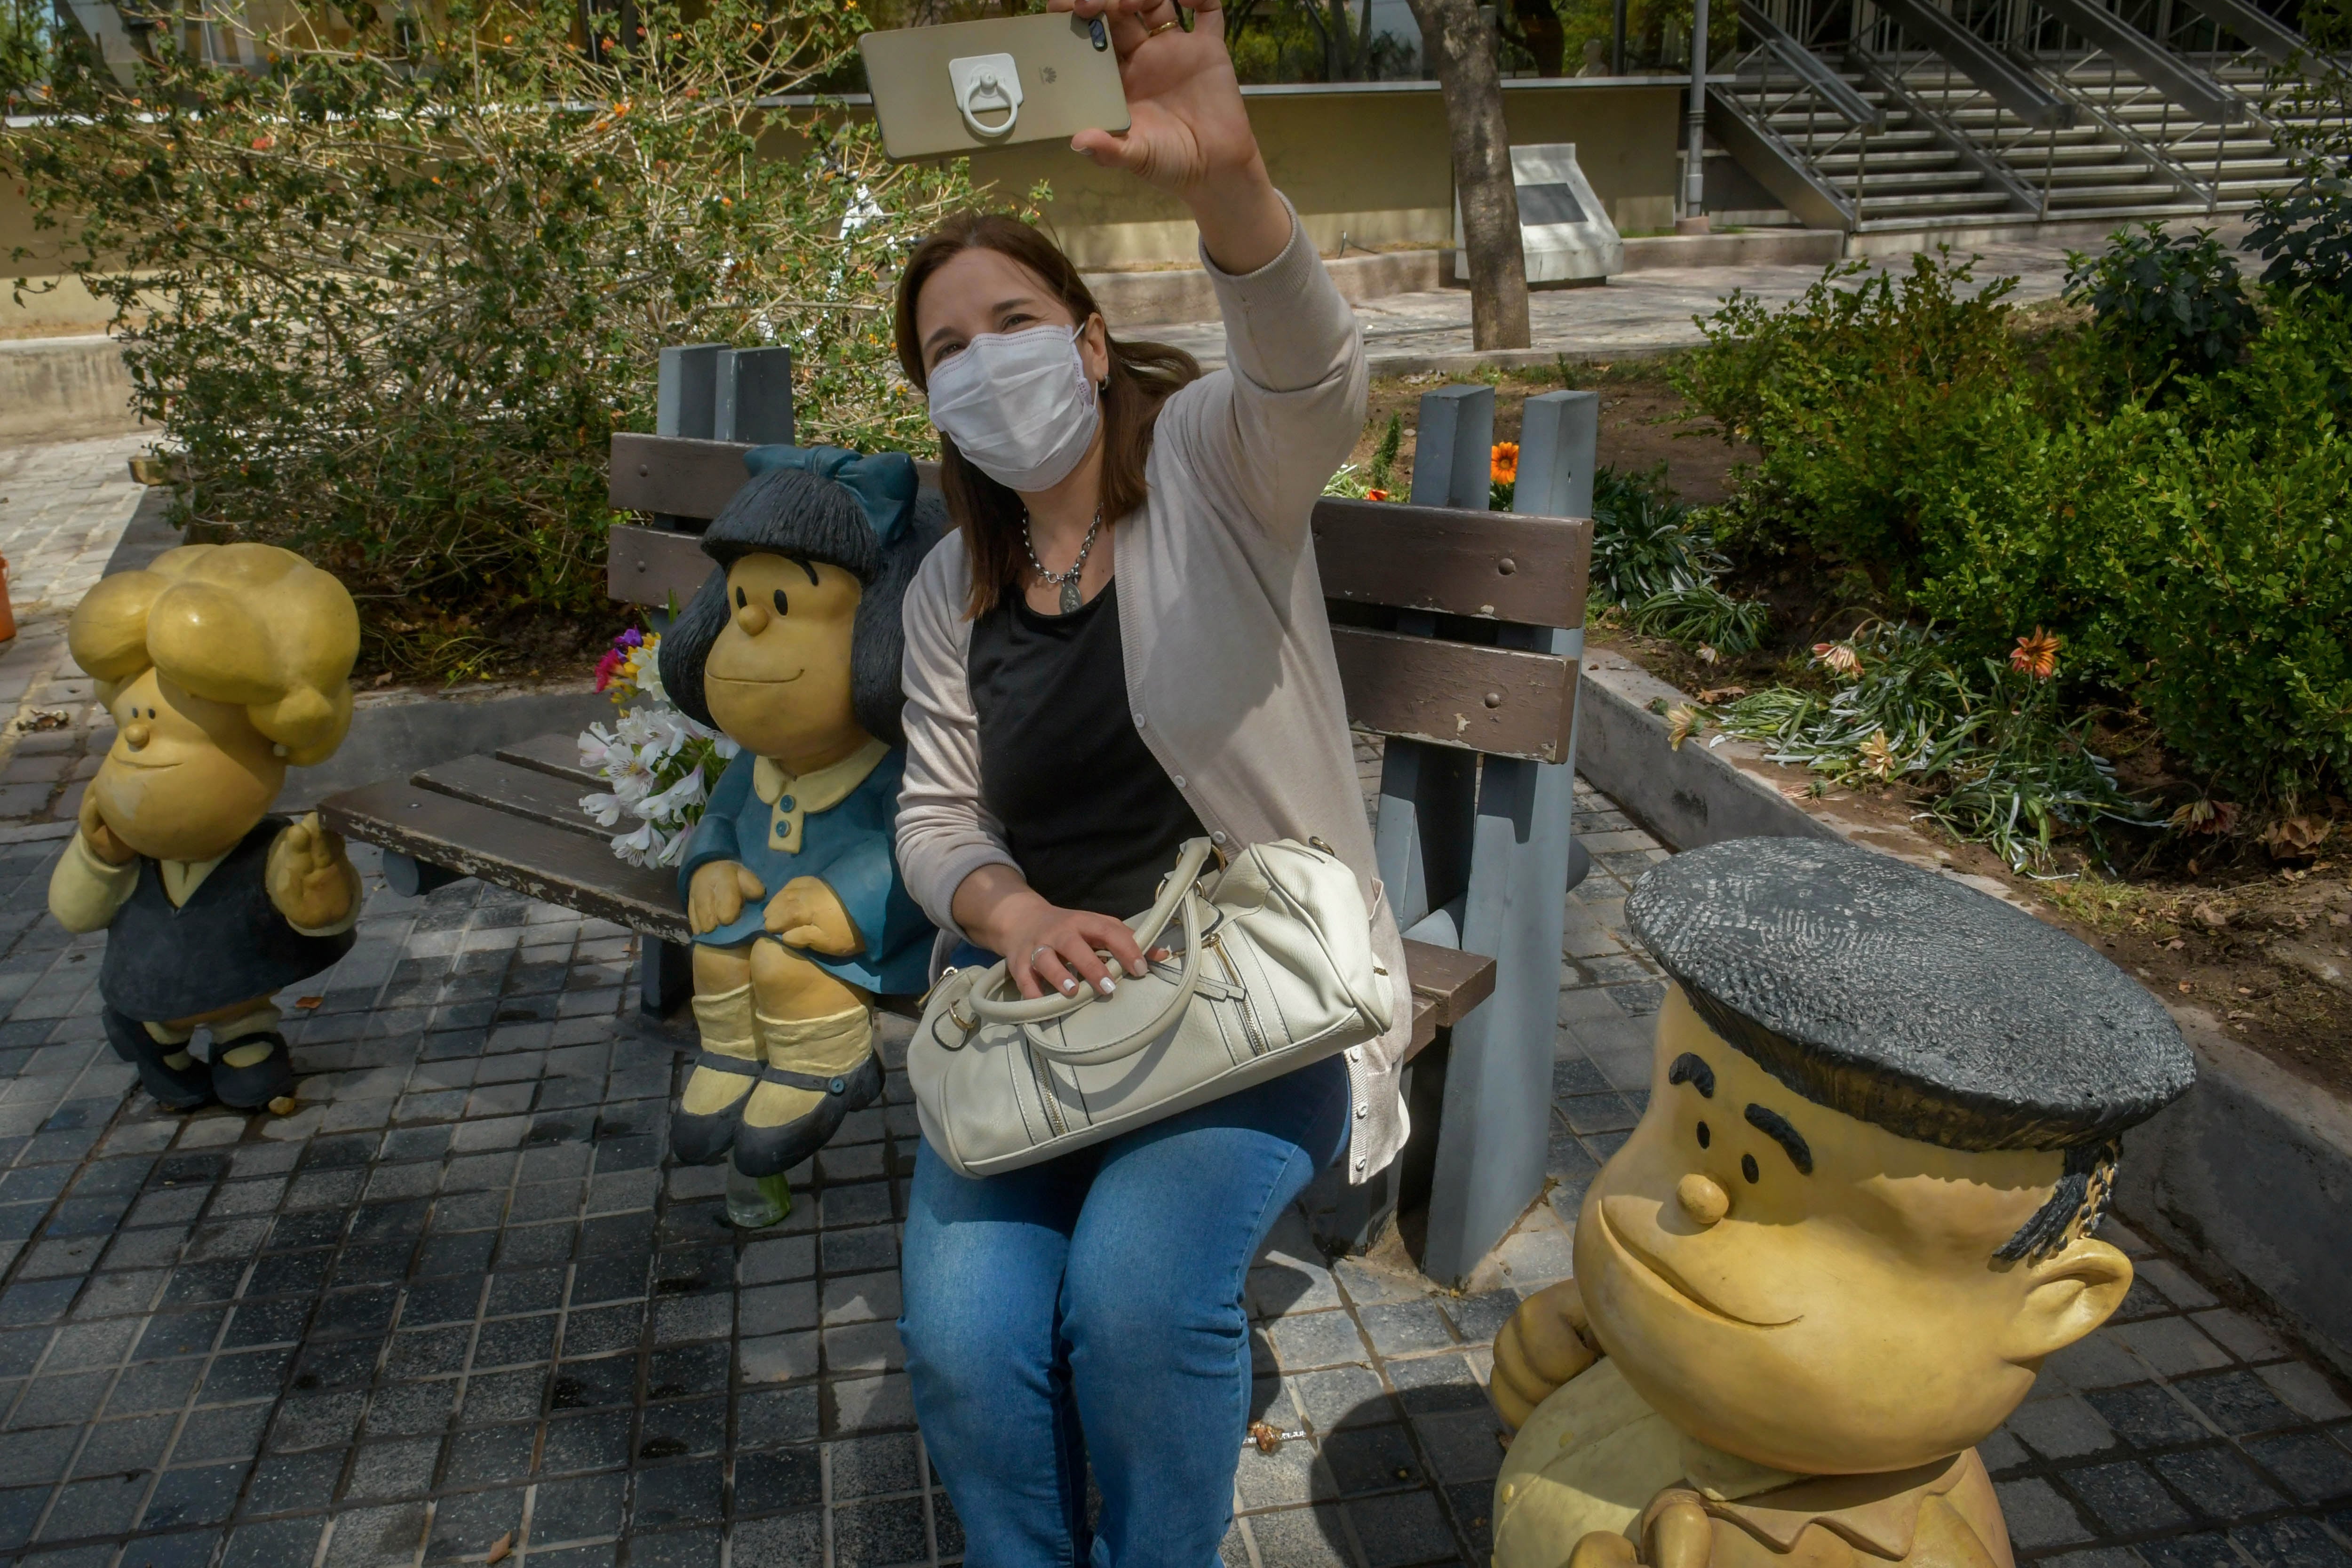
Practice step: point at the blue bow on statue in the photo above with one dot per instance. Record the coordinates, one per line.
(883, 482)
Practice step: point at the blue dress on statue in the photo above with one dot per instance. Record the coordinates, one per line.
(758, 817)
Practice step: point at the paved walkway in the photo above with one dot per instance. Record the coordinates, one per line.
(63, 510)
(458, 1304)
(1637, 312)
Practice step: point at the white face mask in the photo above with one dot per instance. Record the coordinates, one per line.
(1019, 405)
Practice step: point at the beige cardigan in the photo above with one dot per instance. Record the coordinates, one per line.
(1229, 667)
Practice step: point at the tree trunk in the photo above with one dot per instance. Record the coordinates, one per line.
(1460, 47)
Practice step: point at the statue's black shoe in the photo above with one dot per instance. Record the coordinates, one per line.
(772, 1150)
(251, 1088)
(179, 1089)
(704, 1138)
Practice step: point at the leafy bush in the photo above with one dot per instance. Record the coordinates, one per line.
(2244, 610)
(391, 300)
(1867, 399)
(2192, 554)
(2167, 302)
(2305, 233)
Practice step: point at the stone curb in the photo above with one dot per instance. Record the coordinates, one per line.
(2248, 1175)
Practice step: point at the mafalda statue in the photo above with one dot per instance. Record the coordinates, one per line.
(1854, 1219)
(791, 880)
(222, 665)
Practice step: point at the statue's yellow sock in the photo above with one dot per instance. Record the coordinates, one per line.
(170, 1035)
(259, 1020)
(827, 1048)
(725, 1020)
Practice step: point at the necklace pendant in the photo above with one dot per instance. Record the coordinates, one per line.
(1071, 603)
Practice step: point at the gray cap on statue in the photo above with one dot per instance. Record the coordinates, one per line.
(1906, 999)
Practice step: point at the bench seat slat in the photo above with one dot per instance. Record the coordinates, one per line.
(1492, 565)
(557, 755)
(1450, 980)
(543, 862)
(1505, 703)
(517, 791)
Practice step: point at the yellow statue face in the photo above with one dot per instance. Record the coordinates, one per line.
(778, 675)
(186, 777)
(1842, 1319)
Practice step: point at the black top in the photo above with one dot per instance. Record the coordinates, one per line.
(228, 943)
(1908, 1000)
(1087, 810)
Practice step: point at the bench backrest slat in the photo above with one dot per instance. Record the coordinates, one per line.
(1495, 566)
(1505, 703)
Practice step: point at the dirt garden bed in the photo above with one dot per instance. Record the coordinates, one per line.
(2262, 944)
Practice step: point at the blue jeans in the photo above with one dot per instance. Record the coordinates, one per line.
(1090, 1308)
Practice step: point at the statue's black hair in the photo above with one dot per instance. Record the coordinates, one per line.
(795, 513)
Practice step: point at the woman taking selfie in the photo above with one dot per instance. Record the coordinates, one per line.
(1123, 646)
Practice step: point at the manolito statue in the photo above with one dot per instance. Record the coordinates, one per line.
(1854, 1218)
(223, 665)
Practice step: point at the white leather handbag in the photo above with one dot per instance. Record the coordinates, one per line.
(1270, 967)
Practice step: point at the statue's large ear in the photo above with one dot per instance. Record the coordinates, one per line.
(2067, 1294)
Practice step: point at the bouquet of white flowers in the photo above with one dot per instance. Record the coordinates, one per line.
(661, 764)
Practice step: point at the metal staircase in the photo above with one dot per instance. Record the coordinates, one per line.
(1874, 115)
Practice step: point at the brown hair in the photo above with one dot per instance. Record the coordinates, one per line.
(1142, 376)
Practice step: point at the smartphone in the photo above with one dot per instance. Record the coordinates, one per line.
(958, 87)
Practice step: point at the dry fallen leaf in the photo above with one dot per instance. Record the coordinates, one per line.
(1266, 1437)
(282, 1106)
(306, 1002)
(500, 1549)
(2184, 985)
(2212, 917)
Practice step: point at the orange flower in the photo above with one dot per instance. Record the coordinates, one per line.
(1506, 462)
(2036, 655)
(1376, 495)
(1840, 658)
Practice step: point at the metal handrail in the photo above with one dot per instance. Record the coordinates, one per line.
(1808, 68)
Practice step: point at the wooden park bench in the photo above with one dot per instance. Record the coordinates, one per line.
(1448, 625)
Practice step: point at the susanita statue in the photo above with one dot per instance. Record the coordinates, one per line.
(223, 665)
(791, 880)
(1855, 1217)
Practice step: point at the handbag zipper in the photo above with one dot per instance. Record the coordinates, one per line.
(1046, 1101)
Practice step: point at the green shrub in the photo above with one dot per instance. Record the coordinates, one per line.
(2168, 304)
(2244, 609)
(2195, 556)
(1867, 399)
(391, 300)
(2305, 233)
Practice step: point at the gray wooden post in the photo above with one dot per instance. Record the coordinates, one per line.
(1422, 837)
(752, 398)
(1559, 445)
(707, 392)
(1496, 1128)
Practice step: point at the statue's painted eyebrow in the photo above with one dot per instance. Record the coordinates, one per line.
(1774, 1126)
(814, 582)
(1689, 1069)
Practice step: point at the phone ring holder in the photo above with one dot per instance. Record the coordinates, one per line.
(983, 83)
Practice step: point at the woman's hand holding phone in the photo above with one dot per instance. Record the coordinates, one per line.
(1189, 133)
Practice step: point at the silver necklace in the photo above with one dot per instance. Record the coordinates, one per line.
(1066, 580)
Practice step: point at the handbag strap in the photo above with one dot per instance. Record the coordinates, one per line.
(1180, 997)
(1148, 927)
